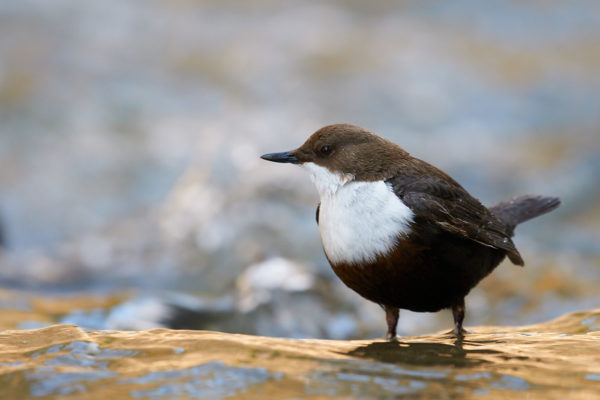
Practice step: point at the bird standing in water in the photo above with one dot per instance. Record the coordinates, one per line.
(399, 231)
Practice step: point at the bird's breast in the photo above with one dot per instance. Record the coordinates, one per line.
(362, 220)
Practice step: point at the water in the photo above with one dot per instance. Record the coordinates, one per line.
(554, 360)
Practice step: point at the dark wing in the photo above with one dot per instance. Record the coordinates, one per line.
(454, 210)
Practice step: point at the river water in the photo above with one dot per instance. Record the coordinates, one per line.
(555, 360)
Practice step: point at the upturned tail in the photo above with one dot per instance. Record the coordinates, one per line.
(522, 208)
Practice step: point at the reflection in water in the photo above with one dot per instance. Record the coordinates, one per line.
(417, 353)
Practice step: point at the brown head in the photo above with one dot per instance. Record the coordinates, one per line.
(349, 150)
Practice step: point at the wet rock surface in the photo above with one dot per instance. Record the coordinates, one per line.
(554, 360)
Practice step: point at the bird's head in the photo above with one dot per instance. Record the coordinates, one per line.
(345, 152)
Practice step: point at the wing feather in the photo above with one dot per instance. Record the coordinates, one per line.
(454, 210)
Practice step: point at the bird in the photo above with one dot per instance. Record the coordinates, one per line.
(401, 232)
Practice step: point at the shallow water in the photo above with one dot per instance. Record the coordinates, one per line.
(555, 360)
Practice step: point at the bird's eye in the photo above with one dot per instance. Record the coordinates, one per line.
(325, 150)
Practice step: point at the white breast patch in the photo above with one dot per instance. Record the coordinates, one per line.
(357, 220)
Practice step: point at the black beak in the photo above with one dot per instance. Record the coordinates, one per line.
(285, 157)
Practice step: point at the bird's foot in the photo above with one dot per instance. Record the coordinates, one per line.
(458, 313)
(459, 332)
(391, 337)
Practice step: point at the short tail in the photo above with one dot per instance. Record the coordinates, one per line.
(522, 208)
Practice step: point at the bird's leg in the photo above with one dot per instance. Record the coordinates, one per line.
(391, 317)
(458, 312)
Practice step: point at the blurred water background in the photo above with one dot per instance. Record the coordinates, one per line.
(130, 136)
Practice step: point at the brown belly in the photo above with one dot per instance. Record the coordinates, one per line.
(422, 275)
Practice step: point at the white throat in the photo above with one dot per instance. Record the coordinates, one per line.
(358, 220)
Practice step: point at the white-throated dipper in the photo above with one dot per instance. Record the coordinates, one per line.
(399, 231)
